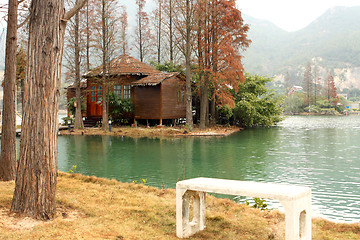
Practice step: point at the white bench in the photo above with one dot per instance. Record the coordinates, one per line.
(295, 199)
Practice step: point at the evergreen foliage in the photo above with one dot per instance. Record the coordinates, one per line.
(120, 110)
(255, 104)
(71, 106)
(167, 67)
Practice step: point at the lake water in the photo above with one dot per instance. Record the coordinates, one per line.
(319, 152)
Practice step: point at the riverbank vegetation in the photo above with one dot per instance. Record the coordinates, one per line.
(158, 132)
(97, 208)
(254, 104)
(317, 95)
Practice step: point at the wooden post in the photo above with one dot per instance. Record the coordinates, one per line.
(160, 121)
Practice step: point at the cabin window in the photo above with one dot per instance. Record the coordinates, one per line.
(117, 90)
(180, 96)
(99, 92)
(127, 91)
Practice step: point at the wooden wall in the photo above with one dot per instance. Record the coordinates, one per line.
(147, 102)
(95, 110)
(150, 102)
(160, 101)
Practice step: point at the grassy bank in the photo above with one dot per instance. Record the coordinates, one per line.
(95, 208)
(163, 131)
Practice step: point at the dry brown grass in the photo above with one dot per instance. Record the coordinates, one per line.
(96, 208)
(164, 131)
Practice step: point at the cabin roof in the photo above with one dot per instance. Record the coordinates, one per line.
(124, 65)
(83, 84)
(154, 79)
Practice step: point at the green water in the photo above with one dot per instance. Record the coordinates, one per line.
(320, 152)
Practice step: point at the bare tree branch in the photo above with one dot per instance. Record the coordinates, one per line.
(74, 10)
(24, 22)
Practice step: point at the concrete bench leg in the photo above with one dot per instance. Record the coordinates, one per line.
(185, 228)
(298, 219)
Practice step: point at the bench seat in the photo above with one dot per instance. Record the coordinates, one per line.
(295, 199)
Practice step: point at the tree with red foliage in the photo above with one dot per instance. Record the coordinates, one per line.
(330, 90)
(221, 35)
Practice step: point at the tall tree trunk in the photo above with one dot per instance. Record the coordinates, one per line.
(36, 175)
(213, 111)
(124, 24)
(8, 138)
(204, 103)
(207, 120)
(159, 34)
(87, 38)
(189, 116)
(78, 115)
(105, 116)
(141, 51)
(171, 32)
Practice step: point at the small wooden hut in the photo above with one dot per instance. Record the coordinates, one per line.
(159, 96)
(156, 95)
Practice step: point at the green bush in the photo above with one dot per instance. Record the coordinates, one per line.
(68, 120)
(167, 67)
(225, 114)
(120, 110)
(329, 111)
(255, 104)
(294, 103)
(313, 109)
(71, 107)
(325, 104)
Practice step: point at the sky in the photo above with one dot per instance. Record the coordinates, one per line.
(290, 15)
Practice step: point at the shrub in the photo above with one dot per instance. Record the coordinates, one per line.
(120, 110)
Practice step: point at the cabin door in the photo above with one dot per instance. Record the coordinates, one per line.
(95, 101)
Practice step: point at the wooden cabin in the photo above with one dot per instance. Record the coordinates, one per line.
(159, 96)
(155, 94)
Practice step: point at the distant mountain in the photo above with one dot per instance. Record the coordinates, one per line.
(332, 42)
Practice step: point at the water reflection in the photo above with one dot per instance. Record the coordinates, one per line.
(320, 152)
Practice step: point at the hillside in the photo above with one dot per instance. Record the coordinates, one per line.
(331, 41)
